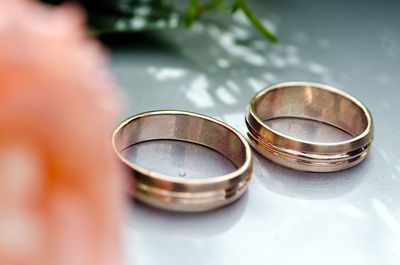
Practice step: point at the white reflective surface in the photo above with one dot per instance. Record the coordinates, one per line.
(285, 217)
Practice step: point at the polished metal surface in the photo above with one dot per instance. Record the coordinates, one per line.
(318, 102)
(286, 216)
(183, 194)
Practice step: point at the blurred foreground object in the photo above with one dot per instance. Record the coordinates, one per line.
(60, 185)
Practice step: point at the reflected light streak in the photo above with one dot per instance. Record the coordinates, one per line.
(198, 93)
(225, 96)
(255, 84)
(384, 213)
(352, 211)
(227, 41)
(223, 63)
(317, 68)
(166, 73)
(233, 86)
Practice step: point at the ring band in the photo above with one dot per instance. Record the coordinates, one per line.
(316, 102)
(185, 194)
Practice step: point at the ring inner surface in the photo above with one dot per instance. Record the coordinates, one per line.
(183, 128)
(313, 103)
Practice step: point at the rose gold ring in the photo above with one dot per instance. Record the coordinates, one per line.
(185, 194)
(316, 102)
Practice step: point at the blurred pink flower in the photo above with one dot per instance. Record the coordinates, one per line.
(60, 186)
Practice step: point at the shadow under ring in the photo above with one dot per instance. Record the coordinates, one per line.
(184, 194)
(316, 102)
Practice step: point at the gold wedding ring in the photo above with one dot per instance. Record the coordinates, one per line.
(185, 194)
(315, 102)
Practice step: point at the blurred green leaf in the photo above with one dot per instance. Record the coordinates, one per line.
(124, 16)
(191, 13)
(255, 21)
(217, 5)
(236, 5)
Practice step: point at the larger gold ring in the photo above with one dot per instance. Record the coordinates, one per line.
(316, 102)
(185, 194)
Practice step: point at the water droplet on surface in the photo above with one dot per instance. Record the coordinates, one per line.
(182, 173)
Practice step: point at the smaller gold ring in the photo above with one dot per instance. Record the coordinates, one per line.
(185, 194)
(312, 101)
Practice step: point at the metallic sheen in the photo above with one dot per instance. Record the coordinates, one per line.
(316, 102)
(184, 194)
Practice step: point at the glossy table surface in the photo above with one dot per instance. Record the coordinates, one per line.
(286, 216)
